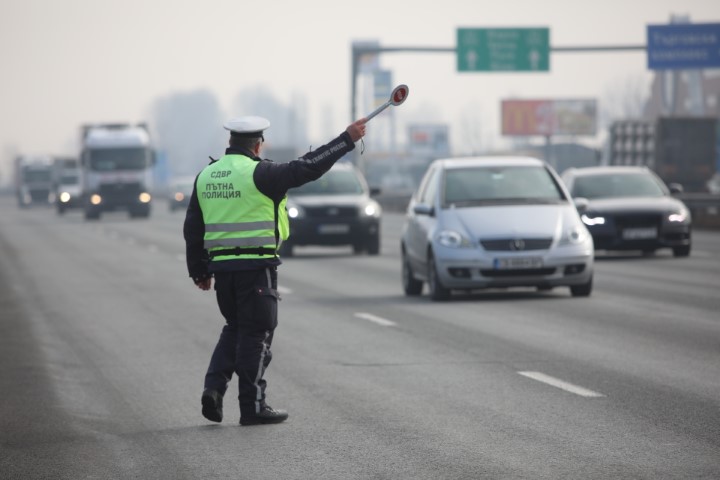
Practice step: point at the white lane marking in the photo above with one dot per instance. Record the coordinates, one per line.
(375, 319)
(556, 382)
(284, 290)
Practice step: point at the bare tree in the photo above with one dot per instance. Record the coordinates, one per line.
(624, 99)
(471, 130)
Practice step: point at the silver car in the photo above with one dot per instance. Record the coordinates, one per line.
(494, 222)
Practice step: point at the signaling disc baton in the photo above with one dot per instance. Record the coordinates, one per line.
(397, 97)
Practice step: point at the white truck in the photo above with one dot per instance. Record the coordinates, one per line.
(33, 180)
(116, 169)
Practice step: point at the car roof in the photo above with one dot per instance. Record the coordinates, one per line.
(489, 161)
(620, 169)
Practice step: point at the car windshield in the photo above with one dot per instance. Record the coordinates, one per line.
(36, 175)
(334, 182)
(69, 180)
(504, 185)
(185, 187)
(108, 160)
(609, 185)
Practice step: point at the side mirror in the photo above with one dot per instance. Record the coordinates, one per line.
(676, 188)
(581, 204)
(421, 209)
(375, 191)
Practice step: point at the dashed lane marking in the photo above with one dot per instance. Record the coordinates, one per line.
(375, 319)
(556, 382)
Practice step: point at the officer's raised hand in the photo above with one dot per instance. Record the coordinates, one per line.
(357, 129)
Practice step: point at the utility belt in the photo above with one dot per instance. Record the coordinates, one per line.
(243, 251)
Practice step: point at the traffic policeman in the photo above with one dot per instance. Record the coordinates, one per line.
(235, 223)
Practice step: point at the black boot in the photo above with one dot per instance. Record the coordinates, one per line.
(212, 405)
(267, 415)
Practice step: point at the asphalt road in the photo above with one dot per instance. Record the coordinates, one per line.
(104, 342)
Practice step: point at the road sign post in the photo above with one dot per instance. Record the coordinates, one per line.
(503, 49)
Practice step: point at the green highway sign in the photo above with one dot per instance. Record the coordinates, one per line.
(503, 49)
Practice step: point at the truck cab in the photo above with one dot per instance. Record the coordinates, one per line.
(116, 170)
(33, 180)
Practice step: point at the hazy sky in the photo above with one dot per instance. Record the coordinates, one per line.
(67, 62)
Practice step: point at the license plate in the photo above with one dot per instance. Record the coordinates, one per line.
(639, 233)
(514, 263)
(334, 229)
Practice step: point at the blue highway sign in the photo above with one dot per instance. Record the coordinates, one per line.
(683, 46)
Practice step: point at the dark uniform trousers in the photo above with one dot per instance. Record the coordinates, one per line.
(248, 301)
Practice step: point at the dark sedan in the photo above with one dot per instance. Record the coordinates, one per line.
(334, 210)
(179, 193)
(630, 208)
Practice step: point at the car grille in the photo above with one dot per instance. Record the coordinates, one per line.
(523, 272)
(516, 244)
(637, 220)
(331, 212)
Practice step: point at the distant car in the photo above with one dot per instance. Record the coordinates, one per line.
(69, 195)
(180, 192)
(494, 222)
(630, 208)
(336, 209)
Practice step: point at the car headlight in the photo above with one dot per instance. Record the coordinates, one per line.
(452, 239)
(680, 216)
(65, 197)
(144, 197)
(179, 196)
(592, 220)
(95, 199)
(372, 209)
(295, 212)
(573, 236)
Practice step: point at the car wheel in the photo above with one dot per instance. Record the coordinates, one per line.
(373, 245)
(437, 291)
(682, 251)
(583, 290)
(92, 215)
(411, 285)
(358, 248)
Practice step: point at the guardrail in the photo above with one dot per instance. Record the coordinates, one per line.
(704, 207)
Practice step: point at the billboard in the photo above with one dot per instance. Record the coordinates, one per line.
(549, 117)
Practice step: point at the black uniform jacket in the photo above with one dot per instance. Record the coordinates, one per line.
(273, 180)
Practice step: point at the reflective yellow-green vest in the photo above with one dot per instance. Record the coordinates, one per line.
(239, 220)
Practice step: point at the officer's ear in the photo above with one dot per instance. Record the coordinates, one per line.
(258, 147)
